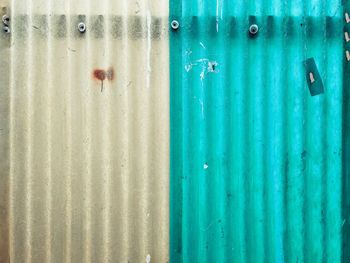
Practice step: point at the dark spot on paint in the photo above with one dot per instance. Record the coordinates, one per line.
(110, 74)
(100, 74)
(303, 155)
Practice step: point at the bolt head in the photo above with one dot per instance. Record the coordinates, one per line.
(254, 29)
(6, 29)
(5, 20)
(82, 27)
(175, 24)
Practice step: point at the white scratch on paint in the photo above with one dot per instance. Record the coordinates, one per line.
(202, 107)
(222, 4)
(208, 66)
(217, 15)
(202, 45)
(202, 75)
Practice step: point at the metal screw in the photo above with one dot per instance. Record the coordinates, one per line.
(81, 27)
(253, 29)
(175, 24)
(5, 20)
(6, 29)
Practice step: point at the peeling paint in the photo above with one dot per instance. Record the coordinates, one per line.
(207, 66)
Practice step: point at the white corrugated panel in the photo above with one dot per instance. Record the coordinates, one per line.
(84, 167)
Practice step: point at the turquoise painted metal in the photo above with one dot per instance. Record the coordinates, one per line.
(259, 166)
(346, 138)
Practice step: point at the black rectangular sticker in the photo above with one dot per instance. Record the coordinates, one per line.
(313, 77)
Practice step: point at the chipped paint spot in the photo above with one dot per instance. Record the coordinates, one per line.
(148, 258)
(110, 74)
(207, 66)
(212, 65)
(205, 166)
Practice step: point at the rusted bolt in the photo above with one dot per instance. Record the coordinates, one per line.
(6, 29)
(82, 27)
(5, 20)
(175, 24)
(253, 29)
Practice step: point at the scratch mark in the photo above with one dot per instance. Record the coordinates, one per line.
(207, 65)
(221, 9)
(217, 15)
(202, 108)
(202, 45)
(202, 75)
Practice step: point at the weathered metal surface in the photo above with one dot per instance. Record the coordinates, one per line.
(256, 161)
(346, 136)
(84, 169)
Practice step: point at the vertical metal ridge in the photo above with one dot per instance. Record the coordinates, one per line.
(126, 175)
(48, 230)
(146, 235)
(88, 150)
(345, 153)
(5, 143)
(29, 146)
(106, 161)
(68, 172)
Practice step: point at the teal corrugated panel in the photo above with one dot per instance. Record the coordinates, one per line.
(258, 165)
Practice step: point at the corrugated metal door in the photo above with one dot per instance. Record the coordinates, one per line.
(84, 130)
(257, 148)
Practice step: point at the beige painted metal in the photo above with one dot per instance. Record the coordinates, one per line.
(84, 172)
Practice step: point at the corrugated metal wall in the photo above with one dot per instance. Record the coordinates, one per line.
(256, 161)
(85, 167)
(346, 137)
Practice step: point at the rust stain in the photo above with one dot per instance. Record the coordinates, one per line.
(102, 75)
